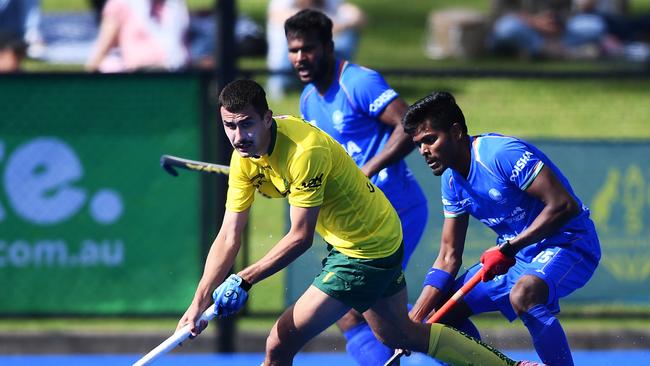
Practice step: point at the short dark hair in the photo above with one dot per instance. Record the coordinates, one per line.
(240, 93)
(439, 109)
(309, 20)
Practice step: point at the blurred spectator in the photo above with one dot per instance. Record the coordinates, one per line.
(348, 20)
(617, 34)
(567, 29)
(12, 51)
(586, 29)
(249, 38)
(22, 18)
(148, 35)
(531, 28)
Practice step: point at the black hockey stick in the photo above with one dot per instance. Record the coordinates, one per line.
(169, 162)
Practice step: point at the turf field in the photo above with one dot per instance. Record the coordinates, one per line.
(581, 358)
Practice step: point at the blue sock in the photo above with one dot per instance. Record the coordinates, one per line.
(548, 336)
(364, 347)
(466, 326)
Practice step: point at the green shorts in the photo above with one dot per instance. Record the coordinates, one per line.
(359, 283)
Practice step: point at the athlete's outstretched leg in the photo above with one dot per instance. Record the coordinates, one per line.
(391, 325)
(456, 348)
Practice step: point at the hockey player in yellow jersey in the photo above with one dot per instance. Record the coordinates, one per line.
(287, 157)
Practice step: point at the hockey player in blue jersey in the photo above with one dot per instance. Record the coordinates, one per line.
(547, 246)
(363, 113)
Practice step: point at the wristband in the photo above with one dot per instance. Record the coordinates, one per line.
(439, 279)
(508, 249)
(245, 284)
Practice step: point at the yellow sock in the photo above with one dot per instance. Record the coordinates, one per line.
(457, 348)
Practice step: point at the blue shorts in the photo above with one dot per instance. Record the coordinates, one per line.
(414, 220)
(564, 269)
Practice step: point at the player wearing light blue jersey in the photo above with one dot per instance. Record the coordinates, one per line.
(363, 113)
(547, 246)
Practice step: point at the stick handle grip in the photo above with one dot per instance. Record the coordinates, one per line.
(174, 340)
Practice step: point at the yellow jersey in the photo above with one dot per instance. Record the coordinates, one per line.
(311, 169)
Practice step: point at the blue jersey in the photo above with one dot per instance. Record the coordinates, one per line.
(501, 169)
(349, 112)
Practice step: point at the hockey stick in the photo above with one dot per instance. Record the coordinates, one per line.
(169, 162)
(467, 287)
(174, 340)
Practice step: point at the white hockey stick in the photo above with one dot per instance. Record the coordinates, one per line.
(174, 340)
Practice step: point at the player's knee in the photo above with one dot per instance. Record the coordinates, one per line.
(528, 292)
(273, 345)
(276, 350)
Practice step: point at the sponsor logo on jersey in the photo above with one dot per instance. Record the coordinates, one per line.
(520, 165)
(495, 194)
(312, 184)
(381, 100)
(258, 180)
(492, 221)
(517, 214)
(266, 188)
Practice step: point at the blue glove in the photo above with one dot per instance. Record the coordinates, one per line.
(230, 296)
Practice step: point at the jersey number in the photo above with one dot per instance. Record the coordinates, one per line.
(544, 256)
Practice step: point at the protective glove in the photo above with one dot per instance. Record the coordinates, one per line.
(230, 296)
(495, 263)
